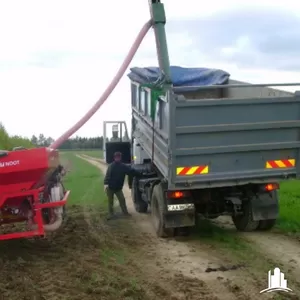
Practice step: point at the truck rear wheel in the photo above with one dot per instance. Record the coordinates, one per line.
(139, 204)
(245, 221)
(157, 214)
(183, 231)
(265, 225)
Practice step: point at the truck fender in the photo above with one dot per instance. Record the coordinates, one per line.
(159, 193)
(173, 219)
(157, 213)
(265, 206)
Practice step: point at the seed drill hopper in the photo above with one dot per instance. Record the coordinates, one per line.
(31, 192)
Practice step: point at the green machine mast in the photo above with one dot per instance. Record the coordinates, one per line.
(158, 17)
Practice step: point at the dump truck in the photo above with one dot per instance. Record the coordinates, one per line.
(212, 151)
(207, 144)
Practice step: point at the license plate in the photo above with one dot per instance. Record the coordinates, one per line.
(179, 207)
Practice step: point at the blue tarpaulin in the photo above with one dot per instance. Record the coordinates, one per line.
(184, 79)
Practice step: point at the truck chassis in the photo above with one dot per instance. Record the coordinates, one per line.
(252, 207)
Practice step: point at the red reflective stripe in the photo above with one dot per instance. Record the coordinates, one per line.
(273, 164)
(287, 163)
(184, 171)
(199, 170)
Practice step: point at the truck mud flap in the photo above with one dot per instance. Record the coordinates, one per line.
(265, 207)
(179, 219)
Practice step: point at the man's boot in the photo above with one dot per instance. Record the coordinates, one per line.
(126, 214)
(110, 217)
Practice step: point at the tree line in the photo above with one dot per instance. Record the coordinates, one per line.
(8, 142)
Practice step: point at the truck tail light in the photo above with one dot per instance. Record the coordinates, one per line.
(271, 187)
(178, 194)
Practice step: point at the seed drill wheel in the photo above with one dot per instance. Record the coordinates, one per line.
(63, 192)
(157, 214)
(47, 211)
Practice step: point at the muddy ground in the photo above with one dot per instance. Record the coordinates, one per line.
(90, 258)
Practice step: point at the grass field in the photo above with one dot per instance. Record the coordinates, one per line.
(94, 153)
(112, 280)
(98, 153)
(289, 199)
(84, 176)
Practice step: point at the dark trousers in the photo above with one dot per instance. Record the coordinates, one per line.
(119, 194)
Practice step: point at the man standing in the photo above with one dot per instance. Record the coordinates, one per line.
(114, 182)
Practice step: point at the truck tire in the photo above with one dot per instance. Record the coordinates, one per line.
(157, 214)
(139, 204)
(129, 181)
(265, 225)
(183, 231)
(245, 222)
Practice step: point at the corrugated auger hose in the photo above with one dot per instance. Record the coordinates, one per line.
(108, 90)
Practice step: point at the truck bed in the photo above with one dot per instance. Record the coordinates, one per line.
(223, 137)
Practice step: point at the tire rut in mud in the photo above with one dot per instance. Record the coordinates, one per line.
(84, 260)
(88, 259)
(278, 250)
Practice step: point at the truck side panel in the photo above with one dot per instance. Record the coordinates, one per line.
(231, 141)
(239, 93)
(143, 133)
(253, 92)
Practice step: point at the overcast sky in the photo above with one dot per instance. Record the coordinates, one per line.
(57, 57)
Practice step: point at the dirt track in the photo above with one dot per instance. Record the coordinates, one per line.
(190, 259)
(94, 259)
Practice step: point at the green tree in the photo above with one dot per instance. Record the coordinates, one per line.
(34, 140)
(41, 140)
(8, 142)
(4, 138)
